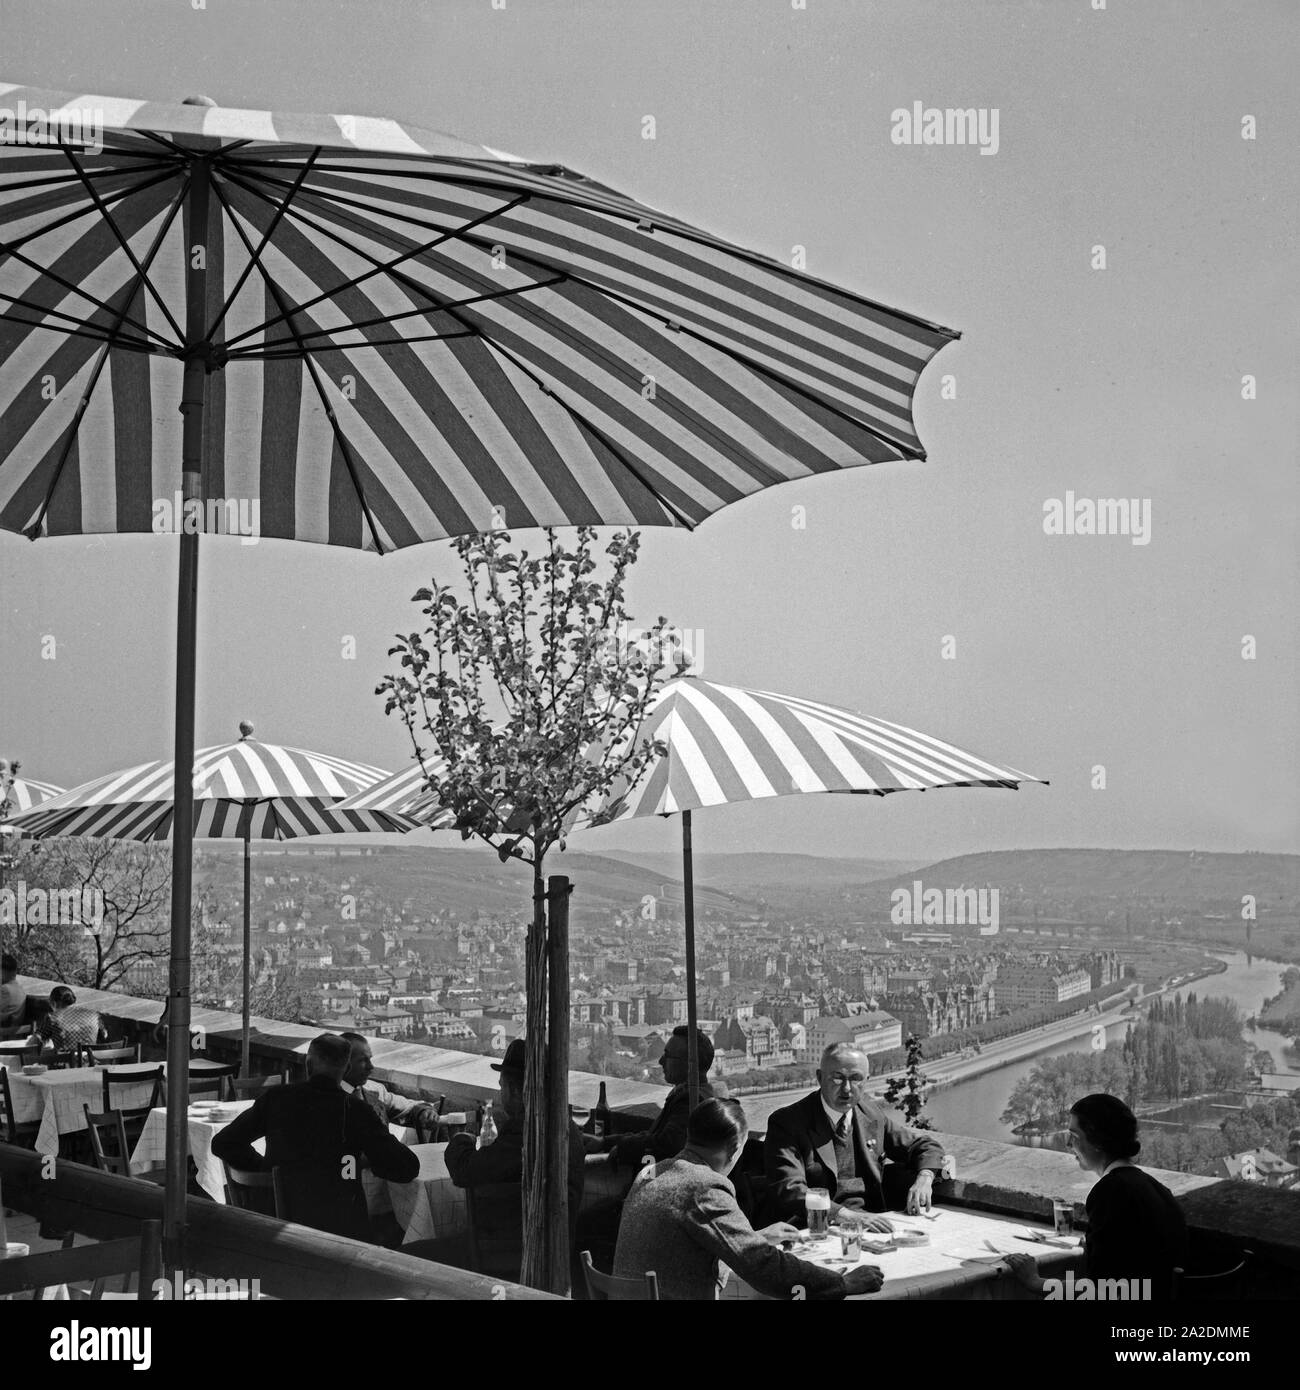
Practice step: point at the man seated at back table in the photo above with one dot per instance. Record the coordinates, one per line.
(13, 998)
(391, 1109)
(318, 1136)
(499, 1226)
(838, 1140)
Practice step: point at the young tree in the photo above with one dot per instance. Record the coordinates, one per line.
(536, 706)
(909, 1091)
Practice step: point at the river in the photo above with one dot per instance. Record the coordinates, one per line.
(973, 1107)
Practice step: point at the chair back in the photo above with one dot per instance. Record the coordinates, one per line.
(119, 1079)
(105, 1054)
(71, 1057)
(495, 1241)
(8, 1125)
(1224, 1284)
(251, 1190)
(109, 1126)
(213, 1081)
(250, 1087)
(611, 1288)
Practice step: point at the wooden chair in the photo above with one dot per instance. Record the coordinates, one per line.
(213, 1081)
(105, 1054)
(70, 1057)
(1224, 1284)
(610, 1288)
(114, 1157)
(250, 1087)
(97, 1263)
(135, 1116)
(11, 1131)
(253, 1191)
(494, 1255)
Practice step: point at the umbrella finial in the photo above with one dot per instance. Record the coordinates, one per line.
(197, 100)
(245, 728)
(683, 661)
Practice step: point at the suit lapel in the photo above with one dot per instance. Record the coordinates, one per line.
(823, 1139)
(864, 1129)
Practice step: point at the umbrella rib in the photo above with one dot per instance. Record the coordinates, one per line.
(280, 211)
(377, 267)
(43, 314)
(97, 370)
(126, 247)
(293, 354)
(343, 444)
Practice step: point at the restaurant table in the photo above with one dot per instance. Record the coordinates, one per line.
(956, 1264)
(56, 1098)
(151, 1148)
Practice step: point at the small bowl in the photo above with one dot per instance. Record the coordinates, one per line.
(35, 1069)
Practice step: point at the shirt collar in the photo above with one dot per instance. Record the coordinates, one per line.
(1116, 1163)
(834, 1116)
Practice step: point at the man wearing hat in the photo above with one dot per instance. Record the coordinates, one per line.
(495, 1175)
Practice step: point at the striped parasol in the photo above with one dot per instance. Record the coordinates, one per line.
(404, 795)
(408, 337)
(725, 744)
(242, 791)
(22, 794)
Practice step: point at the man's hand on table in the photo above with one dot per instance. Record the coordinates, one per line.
(1025, 1270)
(863, 1279)
(918, 1196)
(873, 1222)
(779, 1231)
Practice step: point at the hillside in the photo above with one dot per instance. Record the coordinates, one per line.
(735, 872)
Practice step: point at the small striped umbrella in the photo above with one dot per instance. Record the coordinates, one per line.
(18, 794)
(403, 795)
(246, 791)
(725, 744)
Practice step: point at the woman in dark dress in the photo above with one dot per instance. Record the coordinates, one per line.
(1136, 1228)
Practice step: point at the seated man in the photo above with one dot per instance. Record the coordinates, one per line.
(667, 1135)
(838, 1140)
(681, 1219)
(69, 1024)
(13, 998)
(391, 1109)
(318, 1137)
(499, 1214)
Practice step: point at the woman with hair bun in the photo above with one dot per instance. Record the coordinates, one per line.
(1136, 1229)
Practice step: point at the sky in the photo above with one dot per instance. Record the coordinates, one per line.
(928, 593)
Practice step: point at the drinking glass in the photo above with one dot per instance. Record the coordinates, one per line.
(817, 1203)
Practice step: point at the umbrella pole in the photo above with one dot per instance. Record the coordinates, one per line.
(248, 957)
(193, 396)
(692, 1013)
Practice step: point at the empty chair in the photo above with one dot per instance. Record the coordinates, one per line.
(250, 1087)
(110, 1146)
(252, 1191)
(134, 1116)
(70, 1057)
(213, 1081)
(1223, 1284)
(105, 1054)
(603, 1288)
(11, 1131)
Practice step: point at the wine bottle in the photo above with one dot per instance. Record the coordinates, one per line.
(600, 1115)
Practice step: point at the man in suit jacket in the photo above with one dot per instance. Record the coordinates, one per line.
(500, 1166)
(667, 1135)
(318, 1136)
(391, 1109)
(838, 1140)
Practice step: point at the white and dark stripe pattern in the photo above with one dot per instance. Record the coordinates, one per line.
(417, 338)
(244, 790)
(24, 794)
(404, 794)
(726, 744)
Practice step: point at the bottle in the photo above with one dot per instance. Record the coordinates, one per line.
(487, 1130)
(600, 1115)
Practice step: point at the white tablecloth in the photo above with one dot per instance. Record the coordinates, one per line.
(955, 1264)
(56, 1098)
(429, 1206)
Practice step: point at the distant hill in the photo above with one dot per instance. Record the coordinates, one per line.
(1175, 875)
(735, 871)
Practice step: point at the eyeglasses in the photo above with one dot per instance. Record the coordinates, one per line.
(840, 1079)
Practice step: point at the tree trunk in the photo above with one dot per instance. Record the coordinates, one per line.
(537, 1262)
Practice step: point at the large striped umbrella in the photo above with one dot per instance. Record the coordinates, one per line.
(377, 336)
(246, 791)
(725, 744)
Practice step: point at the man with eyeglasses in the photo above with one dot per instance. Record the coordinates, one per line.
(667, 1135)
(838, 1140)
